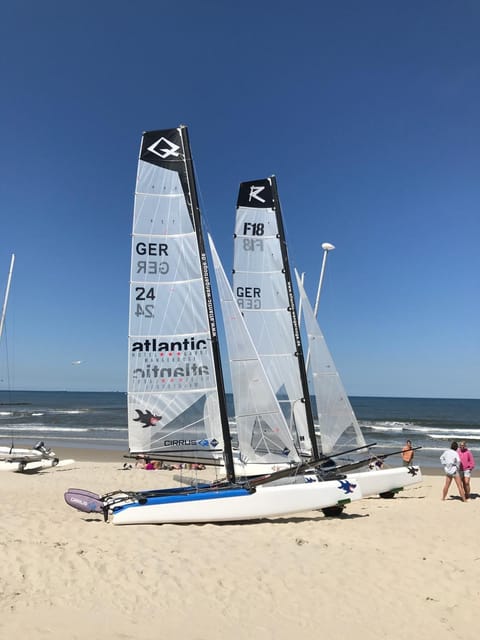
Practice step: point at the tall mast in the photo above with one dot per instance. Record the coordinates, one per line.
(293, 314)
(227, 442)
(7, 292)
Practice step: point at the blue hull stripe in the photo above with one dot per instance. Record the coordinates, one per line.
(191, 497)
(159, 492)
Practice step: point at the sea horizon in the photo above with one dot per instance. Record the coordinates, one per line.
(388, 396)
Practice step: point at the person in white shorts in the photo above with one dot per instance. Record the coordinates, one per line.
(451, 464)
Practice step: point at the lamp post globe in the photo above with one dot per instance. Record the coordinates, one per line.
(326, 246)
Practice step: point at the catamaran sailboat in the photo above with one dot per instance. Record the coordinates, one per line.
(15, 458)
(176, 395)
(264, 292)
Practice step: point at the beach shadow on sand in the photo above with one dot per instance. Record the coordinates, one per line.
(396, 497)
(278, 521)
(473, 496)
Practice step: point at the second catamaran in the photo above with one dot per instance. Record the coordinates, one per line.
(263, 287)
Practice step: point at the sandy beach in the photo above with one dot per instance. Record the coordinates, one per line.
(395, 568)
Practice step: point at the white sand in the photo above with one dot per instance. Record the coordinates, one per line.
(397, 569)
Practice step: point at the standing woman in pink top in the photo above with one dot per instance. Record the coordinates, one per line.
(467, 466)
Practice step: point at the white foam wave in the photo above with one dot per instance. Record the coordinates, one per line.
(386, 426)
(68, 412)
(455, 435)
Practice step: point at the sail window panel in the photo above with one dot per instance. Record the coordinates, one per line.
(168, 309)
(263, 443)
(164, 258)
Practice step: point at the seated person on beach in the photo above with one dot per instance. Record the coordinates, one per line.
(375, 464)
(144, 462)
(149, 464)
(451, 464)
(153, 464)
(140, 462)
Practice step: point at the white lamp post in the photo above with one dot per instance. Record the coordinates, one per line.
(326, 246)
(7, 291)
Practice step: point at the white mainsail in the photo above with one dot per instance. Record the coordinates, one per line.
(264, 293)
(337, 421)
(263, 434)
(174, 403)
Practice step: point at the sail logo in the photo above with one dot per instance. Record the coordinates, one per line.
(180, 443)
(146, 418)
(171, 149)
(347, 487)
(254, 194)
(170, 373)
(159, 346)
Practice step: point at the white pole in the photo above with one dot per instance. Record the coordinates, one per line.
(326, 246)
(7, 291)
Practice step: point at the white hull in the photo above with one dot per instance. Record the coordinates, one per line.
(266, 502)
(387, 480)
(22, 455)
(37, 465)
(371, 482)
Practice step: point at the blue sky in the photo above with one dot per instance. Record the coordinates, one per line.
(367, 113)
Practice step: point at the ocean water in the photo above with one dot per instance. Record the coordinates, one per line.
(430, 423)
(99, 420)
